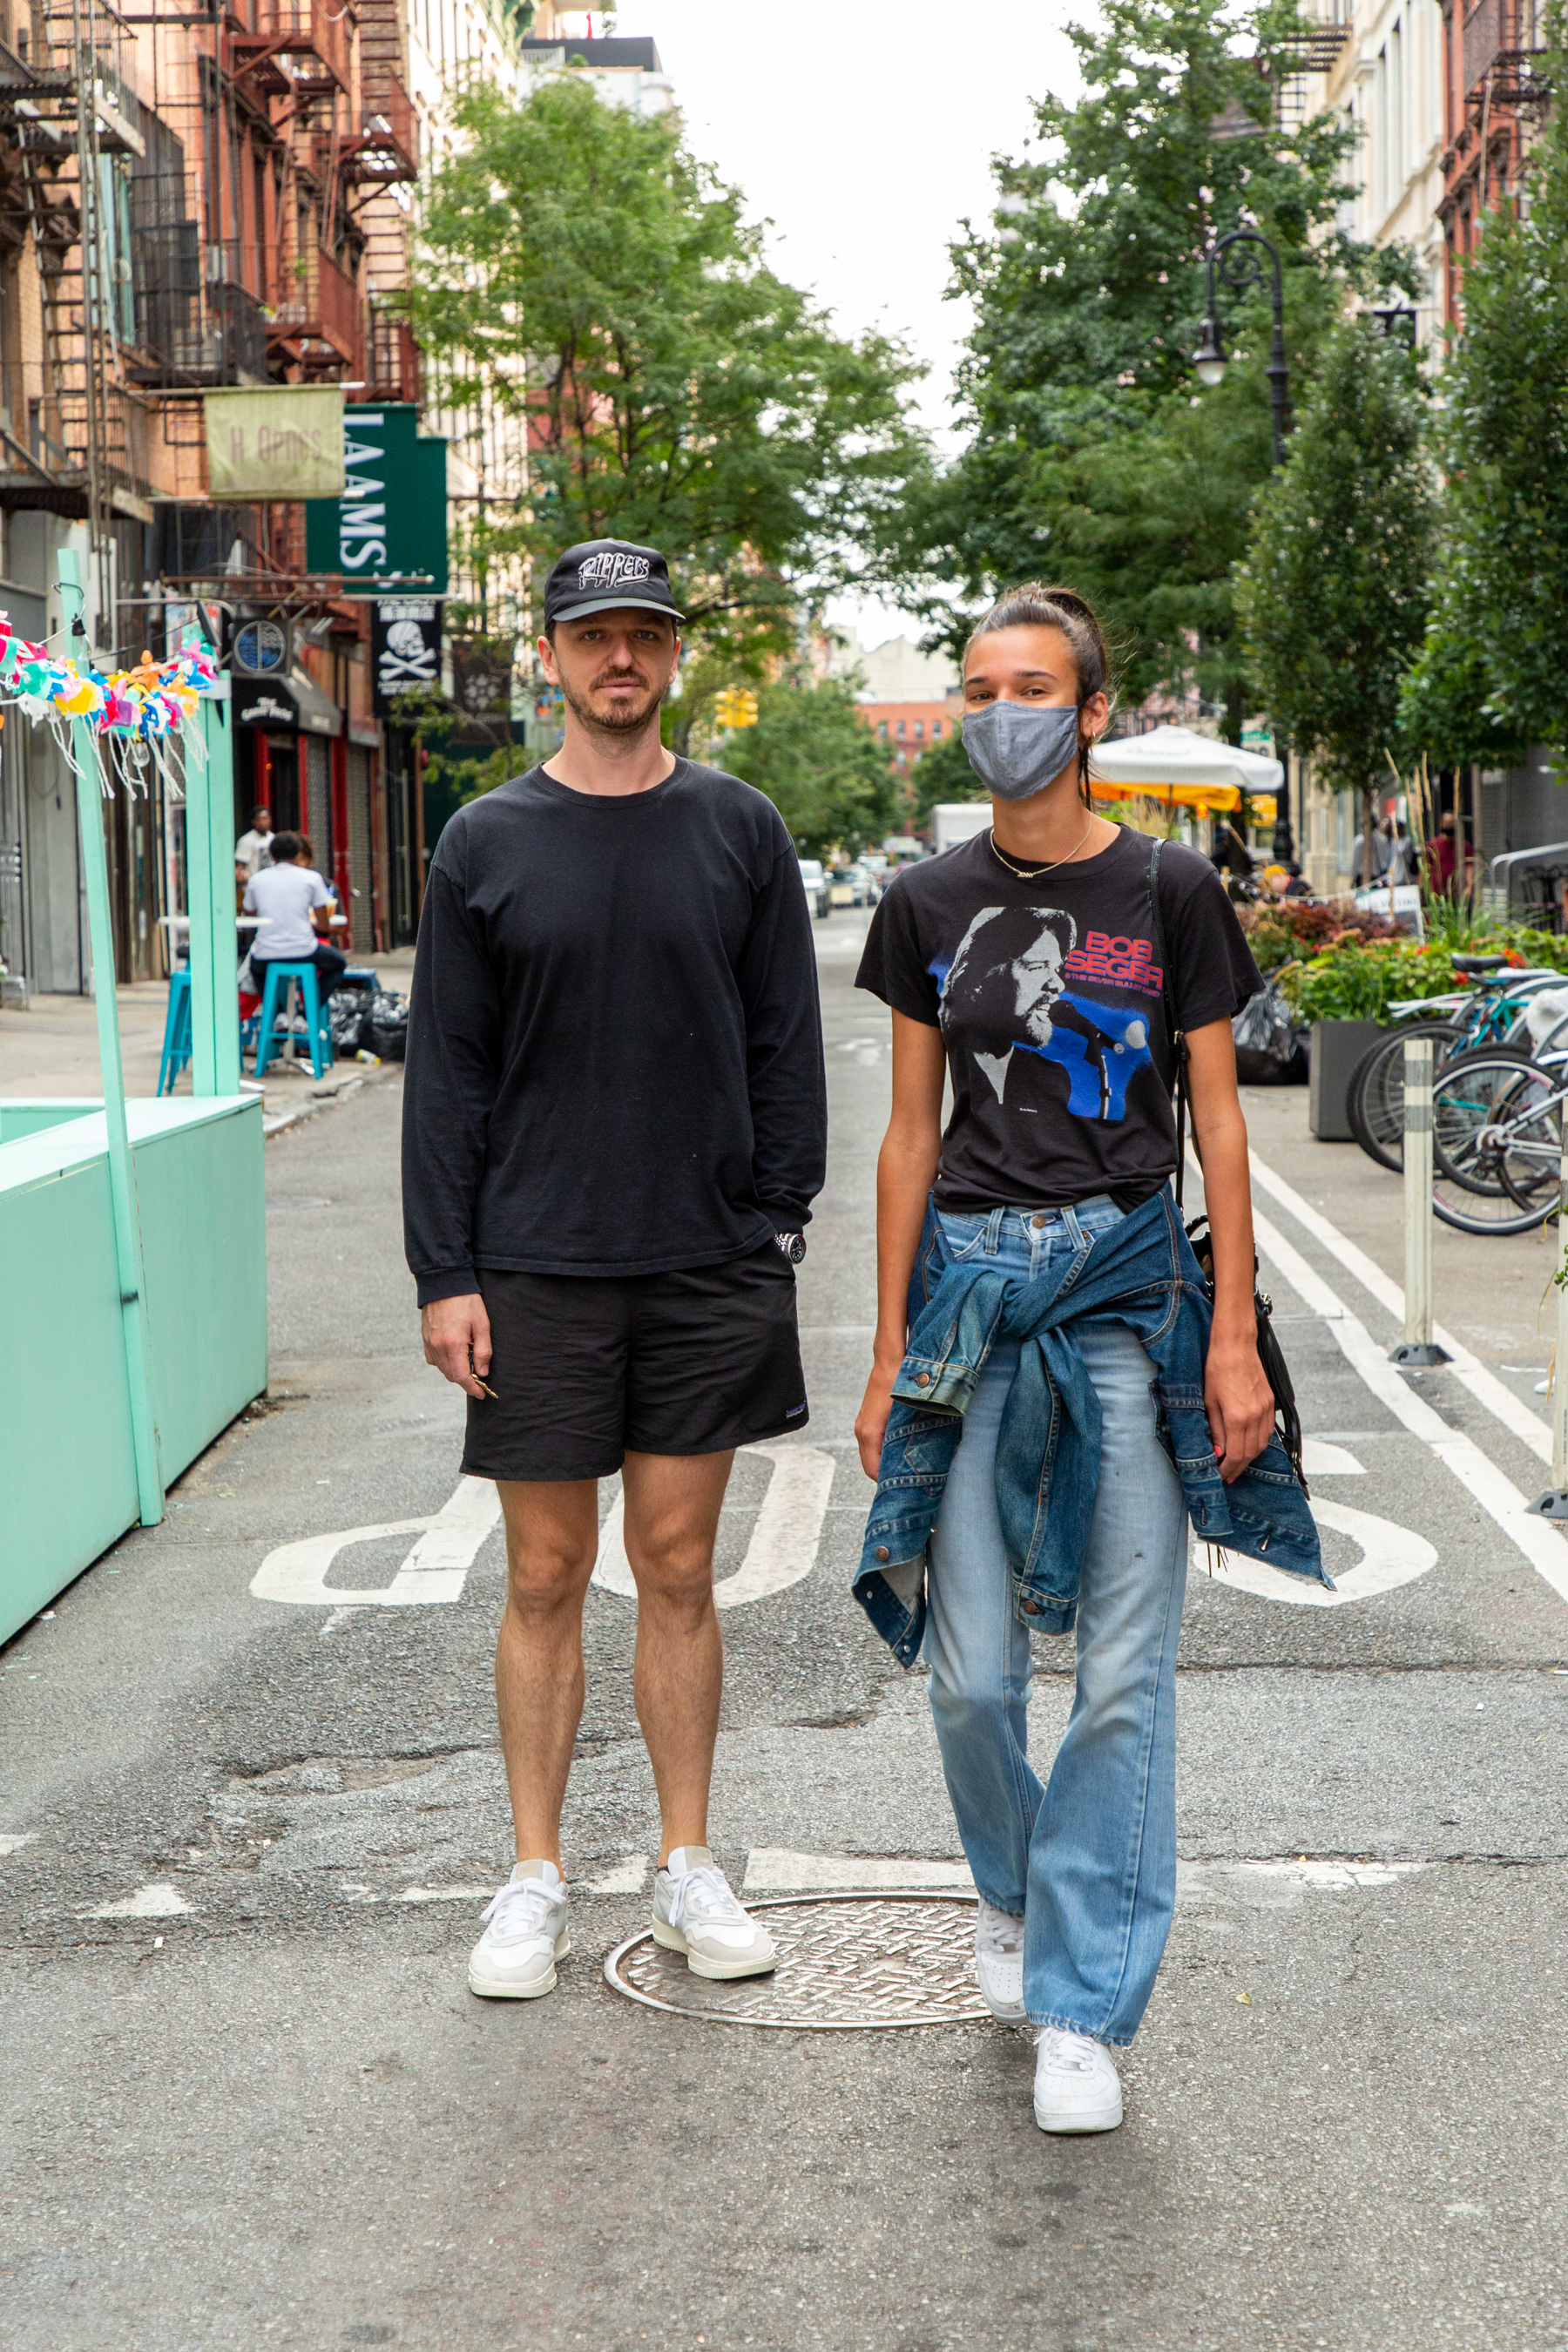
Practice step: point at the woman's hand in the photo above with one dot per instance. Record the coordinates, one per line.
(1237, 1398)
(871, 1421)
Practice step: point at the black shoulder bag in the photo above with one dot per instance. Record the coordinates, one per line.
(1270, 1355)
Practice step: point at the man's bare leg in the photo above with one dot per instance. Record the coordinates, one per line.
(672, 1504)
(552, 1539)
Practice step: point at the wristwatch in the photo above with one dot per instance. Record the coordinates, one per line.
(792, 1246)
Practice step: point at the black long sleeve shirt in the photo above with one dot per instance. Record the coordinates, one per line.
(614, 1048)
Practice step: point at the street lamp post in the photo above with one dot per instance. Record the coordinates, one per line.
(1237, 262)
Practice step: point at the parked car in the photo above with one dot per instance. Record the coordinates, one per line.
(841, 888)
(814, 881)
(857, 878)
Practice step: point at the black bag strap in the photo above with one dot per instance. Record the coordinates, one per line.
(1177, 1037)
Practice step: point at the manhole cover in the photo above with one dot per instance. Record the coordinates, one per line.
(846, 1962)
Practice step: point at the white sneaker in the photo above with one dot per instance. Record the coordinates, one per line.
(1077, 2087)
(525, 1935)
(999, 1963)
(694, 1912)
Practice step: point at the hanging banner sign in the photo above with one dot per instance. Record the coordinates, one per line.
(404, 648)
(387, 533)
(282, 442)
(481, 689)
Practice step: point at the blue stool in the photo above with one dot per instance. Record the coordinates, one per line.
(177, 1031)
(317, 1021)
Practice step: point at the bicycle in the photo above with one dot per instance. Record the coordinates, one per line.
(1497, 1010)
(1497, 1142)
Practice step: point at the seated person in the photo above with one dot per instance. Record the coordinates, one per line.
(296, 906)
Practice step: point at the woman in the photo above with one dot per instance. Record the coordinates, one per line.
(1029, 965)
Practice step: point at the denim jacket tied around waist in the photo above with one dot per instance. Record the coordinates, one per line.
(1141, 1272)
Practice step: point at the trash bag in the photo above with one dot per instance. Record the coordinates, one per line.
(349, 1011)
(1270, 1051)
(386, 1030)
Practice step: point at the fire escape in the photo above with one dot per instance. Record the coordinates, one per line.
(73, 434)
(1496, 92)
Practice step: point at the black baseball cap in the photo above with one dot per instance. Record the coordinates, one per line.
(607, 575)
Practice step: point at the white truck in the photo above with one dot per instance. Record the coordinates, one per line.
(955, 821)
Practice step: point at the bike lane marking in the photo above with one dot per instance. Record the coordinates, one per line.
(1543, 1546)
(435, 1569)
(785, 1541)
(1486, 1388)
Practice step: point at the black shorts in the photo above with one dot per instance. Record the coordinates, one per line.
(587, 1367)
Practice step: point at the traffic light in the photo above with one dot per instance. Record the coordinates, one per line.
(735, 706)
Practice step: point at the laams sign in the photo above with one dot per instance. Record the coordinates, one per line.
(388, 531)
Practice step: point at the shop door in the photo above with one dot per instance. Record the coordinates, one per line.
(361, 909)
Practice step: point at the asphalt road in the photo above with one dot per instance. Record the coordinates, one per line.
(248, 2101)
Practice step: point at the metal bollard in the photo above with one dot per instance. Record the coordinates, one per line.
(1418, 1349)
(1553, 1504)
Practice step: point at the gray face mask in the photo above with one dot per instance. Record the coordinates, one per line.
(1016, 748)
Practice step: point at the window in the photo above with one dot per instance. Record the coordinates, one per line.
(935, 728)
(920, 730)
(882, 728)
(900, 728)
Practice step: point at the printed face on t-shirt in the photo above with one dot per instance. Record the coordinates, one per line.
(1007, 991)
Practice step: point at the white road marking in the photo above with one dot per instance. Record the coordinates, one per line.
(1536, 1538)
(158, 1901)
(1321, 1459)
(1335, 1873)
(435, 1569)
(442, 1893)
(10, 1840)
(774, 1869)
(1482, 1384)
(628, 1877)
(783, 1543)
(1391, 1555)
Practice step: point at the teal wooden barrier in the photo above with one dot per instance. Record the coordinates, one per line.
(134, 1310)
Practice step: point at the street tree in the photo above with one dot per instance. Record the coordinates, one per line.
(1092, 454)
(1491, 678)
(580, 269)
(1333, 594)
(819, 763)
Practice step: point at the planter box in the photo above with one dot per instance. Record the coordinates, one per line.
(1336, 1047)
(67, 1471)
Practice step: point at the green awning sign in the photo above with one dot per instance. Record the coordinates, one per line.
(388, 531)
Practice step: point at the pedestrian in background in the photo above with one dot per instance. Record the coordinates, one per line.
(253, 850)
(1443, 856)
(1043, 1336)
(296, 907)
(615, 1125)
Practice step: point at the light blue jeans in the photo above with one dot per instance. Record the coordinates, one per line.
(1090, 1860)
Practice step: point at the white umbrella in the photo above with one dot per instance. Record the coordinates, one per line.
(1179, 755)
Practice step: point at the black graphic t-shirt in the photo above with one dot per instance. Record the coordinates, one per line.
(1054, 1011)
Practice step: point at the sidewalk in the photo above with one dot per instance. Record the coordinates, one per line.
(51, 1048)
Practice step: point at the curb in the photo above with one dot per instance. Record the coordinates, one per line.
(283, 1120)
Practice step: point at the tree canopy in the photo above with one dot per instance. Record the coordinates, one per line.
(1093, 456)
(819, 763)
(580, 266)
(1492, 678)
(1333, 594)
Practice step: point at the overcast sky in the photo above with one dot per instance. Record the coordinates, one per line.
(865, 134)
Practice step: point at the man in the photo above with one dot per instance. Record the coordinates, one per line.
(296, 907)
(614, 1129)
(253, 850)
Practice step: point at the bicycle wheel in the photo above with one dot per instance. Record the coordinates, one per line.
(1532, 1162)
(1491, 1119)
(1374, 1098)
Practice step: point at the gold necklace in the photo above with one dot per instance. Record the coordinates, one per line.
(1037, 873)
